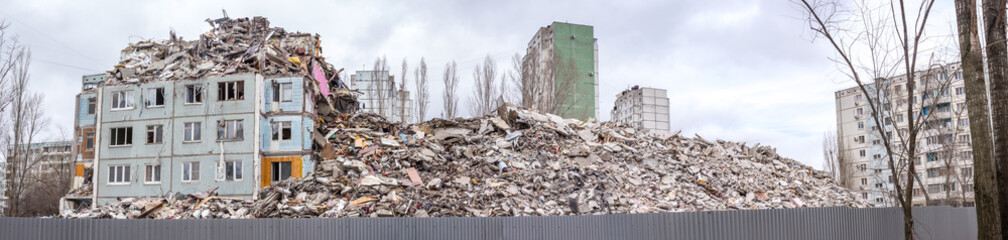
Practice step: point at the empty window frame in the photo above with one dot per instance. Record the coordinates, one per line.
(155, 97)
(191, 132)
(233, 170)
(122, 100)
(152, 173)
(281, 131)
(89, 139)
(118, 174)
(190, 171)
(122, 136)
(193, 94)
(154, 133)
(280, 171)
(231, 91)
(282, 92)
(230, 130)
(91, 106)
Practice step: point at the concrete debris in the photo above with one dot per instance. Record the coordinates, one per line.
(547, 166)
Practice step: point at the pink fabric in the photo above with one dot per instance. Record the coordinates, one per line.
(320, 77)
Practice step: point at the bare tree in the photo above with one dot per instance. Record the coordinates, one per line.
(422, 90)
(450, 94)
(380, 87)
(547, 82)
(25, 121)
(833, 160)
(484, 80)
(997, 64)
(829, 20)
(985, 185)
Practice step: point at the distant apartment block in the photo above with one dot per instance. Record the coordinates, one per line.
(643, 108)
(380, 95)
(3, 188)
(944, 159)
(237, 132)
(569, 53)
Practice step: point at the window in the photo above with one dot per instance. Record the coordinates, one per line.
(192, 131)
(232, 170)
(960, 91)
(89, 139)
(229, 130)
(193, 94)
(857, 98)
(281, 131)
(933, 172)
(967, 172)
(155, 97)
(91, 107)
(934, 188)
(931, 157)
(861, 153)
(119, 174)
(965, 138)
(122, 100)
(864, 195)
(190, 172)
(282, 92)
(280, 171)
(899, 118)
(154, 133)
(860, 125)
(964, 122)
(153, 173)
(229, 91)
(864, 181)
(121, 136)
(860, 111)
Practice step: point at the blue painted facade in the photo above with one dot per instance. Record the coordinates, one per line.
(253, 111)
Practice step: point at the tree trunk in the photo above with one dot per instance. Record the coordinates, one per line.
(997, 64)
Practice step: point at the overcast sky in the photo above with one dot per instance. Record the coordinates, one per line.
(740, 70)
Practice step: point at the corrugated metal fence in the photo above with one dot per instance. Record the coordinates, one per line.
(808, 223)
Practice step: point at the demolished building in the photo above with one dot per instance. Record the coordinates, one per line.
(233, 110)
(357, 164)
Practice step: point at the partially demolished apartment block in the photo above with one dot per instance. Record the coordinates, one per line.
(379, 94)
(647, 109)
(232, 111)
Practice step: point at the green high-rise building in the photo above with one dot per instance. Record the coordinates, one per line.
(565, 55)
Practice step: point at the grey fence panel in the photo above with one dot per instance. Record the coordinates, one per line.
(808, 223)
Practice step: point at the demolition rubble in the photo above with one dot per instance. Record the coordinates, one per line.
(518, 163)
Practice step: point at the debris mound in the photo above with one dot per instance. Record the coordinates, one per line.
(515, 163)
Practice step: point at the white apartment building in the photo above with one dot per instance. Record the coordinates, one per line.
(943, 161)
(3, 187)
(643, 108)
(379, 94)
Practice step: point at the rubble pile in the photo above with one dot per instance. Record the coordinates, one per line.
(240, 45)
(514, 163)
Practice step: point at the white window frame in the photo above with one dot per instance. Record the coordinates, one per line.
(192, 132)
(152, 96)
(231, 91)
(118, 174)
(122, 100)
(193, 94)
(189, 177)
(113, 137)
(279, 170)
(283, 92)
(277, 131)
(158, 131)
(233, 130)
(150, 170)
(236, 167)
